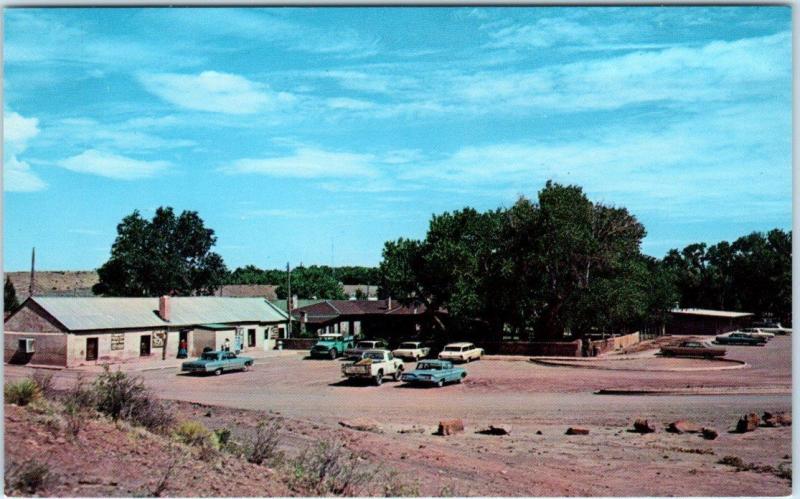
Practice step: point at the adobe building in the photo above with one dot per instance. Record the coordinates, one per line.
(74, 331)
(698, 321)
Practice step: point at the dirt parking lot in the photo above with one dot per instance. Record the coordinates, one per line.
(539, 402)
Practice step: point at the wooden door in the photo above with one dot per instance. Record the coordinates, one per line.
(144, 346)
(91, 348)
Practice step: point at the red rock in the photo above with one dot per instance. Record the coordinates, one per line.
(684, 426)
(748, 422)
(450, 426)
(643, 426)
(577, 431)
(777, 419)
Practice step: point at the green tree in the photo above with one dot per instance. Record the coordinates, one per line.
(10, 301)
(166, 255)
(313, 282)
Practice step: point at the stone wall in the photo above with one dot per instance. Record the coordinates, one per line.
(616, 342)
(51, 349)
(298, 343)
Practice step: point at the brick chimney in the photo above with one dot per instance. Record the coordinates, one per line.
(163, 307)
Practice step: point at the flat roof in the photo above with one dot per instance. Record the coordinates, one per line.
(710, 313)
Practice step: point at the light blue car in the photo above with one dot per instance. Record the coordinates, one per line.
(217, 363)
(434, 372)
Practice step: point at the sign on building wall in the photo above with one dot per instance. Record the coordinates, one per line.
(117, 341)
(158, 340)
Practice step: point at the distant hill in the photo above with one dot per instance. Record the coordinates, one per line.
(55, 283)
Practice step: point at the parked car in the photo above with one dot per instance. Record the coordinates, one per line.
(737, 338)
(434, 372)
(355, 353)
(374, 365)
(692, 348)
(217, 362)
(773, 327)
(754, 331)
(461, 352)
(411, 350)
(331, 345)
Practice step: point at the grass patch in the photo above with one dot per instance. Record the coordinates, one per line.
(21, 392)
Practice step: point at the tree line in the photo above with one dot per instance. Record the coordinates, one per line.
(539, 268)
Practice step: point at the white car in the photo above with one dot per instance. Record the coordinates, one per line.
(754, 331)
(461, 352)
(412, 350)
(374, 365)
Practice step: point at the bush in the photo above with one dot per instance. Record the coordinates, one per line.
(396, 487)
(263, 444)
(73, 418)
(79, 395)
(123, 397)
(195, 434)
(44, 380)
(27, 477)
(329, 469)
(21, 392)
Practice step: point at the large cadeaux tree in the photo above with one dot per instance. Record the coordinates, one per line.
(166, 255)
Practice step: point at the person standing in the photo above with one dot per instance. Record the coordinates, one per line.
(227, 345)
(182, 350)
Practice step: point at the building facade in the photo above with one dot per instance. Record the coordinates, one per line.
(698, 321)
(74, 331)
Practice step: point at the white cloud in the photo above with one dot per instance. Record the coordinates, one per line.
(215, 92)
(307, 162)
(17, 174)
(348, 103)
(113, 166)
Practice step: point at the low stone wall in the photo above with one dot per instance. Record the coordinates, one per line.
(298, 343)
(534, 348)
(616, 342)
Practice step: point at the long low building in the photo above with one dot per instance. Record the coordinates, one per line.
(70, 331)
(705, 322)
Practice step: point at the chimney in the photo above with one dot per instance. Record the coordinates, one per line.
(163, 307)
(389, 303)
(294, 302)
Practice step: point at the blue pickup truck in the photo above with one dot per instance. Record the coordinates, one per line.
(217, 363)
(434, 372)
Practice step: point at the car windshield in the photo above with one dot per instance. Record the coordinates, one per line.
(426, 366)
(374, 355)
(452, 349)
(330, 338)
(408, 345)
(209, 356)
(365, 344)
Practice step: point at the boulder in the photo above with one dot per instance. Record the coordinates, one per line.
(361, 424)
(450, 427)
(748, 422)
(710, 433)
(777, 419)
(684, 426)
(577, 431)
(643, 426)
(501, 429)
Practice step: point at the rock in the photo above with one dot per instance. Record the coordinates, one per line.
(361, 424)
(709, 433)
(777, 419)
(577, 431)
(450, 427)
(684, 426)
(748, 422)
(538, 432)
(643, 426)
(497, 430)
(413, 429)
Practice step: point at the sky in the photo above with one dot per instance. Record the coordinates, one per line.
(314, 135)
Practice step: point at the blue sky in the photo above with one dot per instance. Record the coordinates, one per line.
(297, 131)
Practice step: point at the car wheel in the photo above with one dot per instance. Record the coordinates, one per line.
(333, 353)
(397, 373)
(246, 367)
(440, 383)
(217, 371)
(378, 379)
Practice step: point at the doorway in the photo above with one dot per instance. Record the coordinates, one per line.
(144, 346)
(183, 343)
(251, 338)
(91, 348)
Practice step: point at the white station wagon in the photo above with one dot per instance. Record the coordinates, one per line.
(461, 352)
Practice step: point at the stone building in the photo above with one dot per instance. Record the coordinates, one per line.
(73, 331)
(698, 321)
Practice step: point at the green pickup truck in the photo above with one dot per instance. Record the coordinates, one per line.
(331, 345)
(217, 363)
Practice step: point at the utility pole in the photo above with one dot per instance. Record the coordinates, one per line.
(289, 300)
(33, 266)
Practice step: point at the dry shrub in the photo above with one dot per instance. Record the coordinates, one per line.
(262, 445)
(124, 397)
(195, 434)
(394, 486)
(26, 478)
(329, 469)
(44, 380)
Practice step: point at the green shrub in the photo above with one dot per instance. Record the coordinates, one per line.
(45, 382)
(21, 392)
(124, 397)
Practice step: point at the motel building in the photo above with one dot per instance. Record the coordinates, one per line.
(75, 331)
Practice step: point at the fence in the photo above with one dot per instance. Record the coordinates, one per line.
(616, 342)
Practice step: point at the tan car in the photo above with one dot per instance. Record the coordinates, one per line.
(461, 352)
(691, 348)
